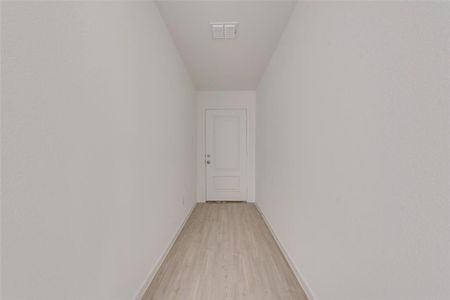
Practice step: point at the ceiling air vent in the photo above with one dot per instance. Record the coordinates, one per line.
(224, 30)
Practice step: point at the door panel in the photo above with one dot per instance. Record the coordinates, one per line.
(226, 155)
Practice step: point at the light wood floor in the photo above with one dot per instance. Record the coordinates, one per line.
(225, 252)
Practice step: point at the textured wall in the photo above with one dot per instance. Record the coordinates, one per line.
(352, 148)
(98, 148)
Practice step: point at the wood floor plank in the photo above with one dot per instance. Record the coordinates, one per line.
(225, 252)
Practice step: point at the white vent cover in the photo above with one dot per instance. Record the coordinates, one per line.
(224, 30)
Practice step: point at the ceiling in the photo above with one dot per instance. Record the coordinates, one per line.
(226, 64)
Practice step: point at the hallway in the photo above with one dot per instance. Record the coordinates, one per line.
(225, 150)
(225, 252)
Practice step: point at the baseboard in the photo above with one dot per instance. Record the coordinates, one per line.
(309, 294)
(153, 272)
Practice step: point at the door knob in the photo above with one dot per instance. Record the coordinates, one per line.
(208, 162)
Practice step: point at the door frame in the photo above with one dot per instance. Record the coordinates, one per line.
(205, 176)
(225, 100)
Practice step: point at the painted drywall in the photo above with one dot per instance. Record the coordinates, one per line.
(1, 173)
(352, 148)
(98, 140)
(225, 100)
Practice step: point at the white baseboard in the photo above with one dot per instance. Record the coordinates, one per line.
(153, 272)
(309, 294)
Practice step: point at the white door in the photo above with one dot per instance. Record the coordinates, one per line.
(226, 154)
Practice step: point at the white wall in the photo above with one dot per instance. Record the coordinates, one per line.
(98, 148)
(225, 100)
(352, 148)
